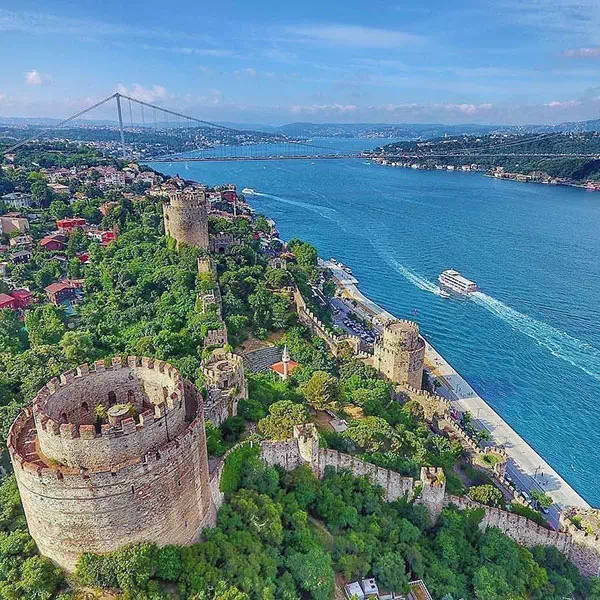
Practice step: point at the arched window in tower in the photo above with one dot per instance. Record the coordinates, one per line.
(112, 398)
(63, 417)
(131, 397)
(165, 393)
(84, 406)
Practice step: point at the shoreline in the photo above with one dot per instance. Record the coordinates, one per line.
(526, 466)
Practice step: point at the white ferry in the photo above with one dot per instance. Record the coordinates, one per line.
(249, 192)
(455, 282)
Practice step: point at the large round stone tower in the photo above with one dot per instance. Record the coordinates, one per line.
(186, 218)
(110, 455)
(400, 353)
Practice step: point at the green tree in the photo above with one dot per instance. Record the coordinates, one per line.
(313, 572)
(59, 209)
(371, 434)
(13, 337)
(283, 415)
(45, 325)
(390, 570)
(78, 346)
(487, 494)
(40, 578)
(542, 499)
(322, 391)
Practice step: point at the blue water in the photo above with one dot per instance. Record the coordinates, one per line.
(529, 343)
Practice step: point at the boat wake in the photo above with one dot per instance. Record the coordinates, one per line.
(576, 352)
(414, 278)
(324, 211)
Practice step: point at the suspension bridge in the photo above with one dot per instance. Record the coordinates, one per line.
(152, 133)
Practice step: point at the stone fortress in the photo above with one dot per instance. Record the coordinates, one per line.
(186, 217)
(399, 353)
(225, 386)
(139, 472)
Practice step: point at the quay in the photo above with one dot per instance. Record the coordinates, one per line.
(525, 466)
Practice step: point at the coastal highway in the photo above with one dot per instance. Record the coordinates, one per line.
(526, 467)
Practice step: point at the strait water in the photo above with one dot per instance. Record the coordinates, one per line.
(529, 343)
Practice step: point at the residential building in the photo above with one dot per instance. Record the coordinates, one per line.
(18, 200)
(59, 189)
(23, 256)
(11, 222)
(67, 225)
(21, 241)
(7, 301)
(23, 298)
(53, 242)
(66, 290)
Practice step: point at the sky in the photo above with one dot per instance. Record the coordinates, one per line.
(274, 62)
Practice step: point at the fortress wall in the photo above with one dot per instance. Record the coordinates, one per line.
(583, 550)
(161, 497)
(285, 454)
(394, 485)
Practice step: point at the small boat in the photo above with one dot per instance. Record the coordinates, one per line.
(249, 192)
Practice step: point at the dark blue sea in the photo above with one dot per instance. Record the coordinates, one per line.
(529, 343)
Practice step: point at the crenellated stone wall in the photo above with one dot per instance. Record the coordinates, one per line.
(430, 490)
(86, 488)
(335, 343)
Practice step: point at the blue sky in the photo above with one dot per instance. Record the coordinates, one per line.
(506, 61)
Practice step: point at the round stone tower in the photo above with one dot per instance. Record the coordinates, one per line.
(110, 455)
(186, 218)
(400, 353)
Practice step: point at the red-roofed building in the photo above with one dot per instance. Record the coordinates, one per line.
(23, 298)
(83, 257)
(52, 242)
(7, 301)
(59, 291)
(67, 225)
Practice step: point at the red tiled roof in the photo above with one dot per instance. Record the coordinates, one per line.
(6, 301)
(278, 367)
(58, 286)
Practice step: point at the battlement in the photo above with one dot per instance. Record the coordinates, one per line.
(187, 197)
(433, 476)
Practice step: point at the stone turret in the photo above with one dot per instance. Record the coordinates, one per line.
(186, 218)
(112, 454)
(226, 385)
(400, 354)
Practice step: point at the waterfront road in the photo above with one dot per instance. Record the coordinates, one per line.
(526, 467)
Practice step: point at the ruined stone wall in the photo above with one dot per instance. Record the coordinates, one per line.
(161, 494)
(394, 485)
(186, 218)
(226, 385)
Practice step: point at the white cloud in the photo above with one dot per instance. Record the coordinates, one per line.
(247, 72)
(563, 104)
(593, 52)
(354, 35)
(139, 92)
(323, 108)
(34, 77)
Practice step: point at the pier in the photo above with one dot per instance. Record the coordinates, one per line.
(526, 467)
